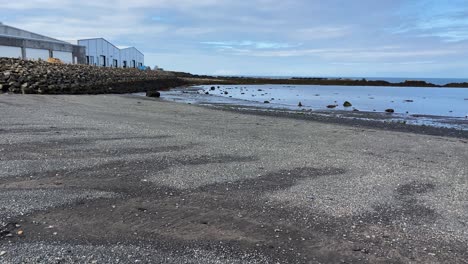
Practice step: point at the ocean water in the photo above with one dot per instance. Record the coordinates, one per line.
(443, 107)
(437, 81)
(444, 102)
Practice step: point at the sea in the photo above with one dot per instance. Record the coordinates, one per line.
(440, 107)
(436, 81)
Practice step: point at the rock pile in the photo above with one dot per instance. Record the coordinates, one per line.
(38, 77)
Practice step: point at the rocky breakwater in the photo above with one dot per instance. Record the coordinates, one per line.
(39, 77)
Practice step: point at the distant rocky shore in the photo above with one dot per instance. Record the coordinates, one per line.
(39, 77)
(311, 81)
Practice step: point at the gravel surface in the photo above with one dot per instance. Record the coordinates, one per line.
(93, 179)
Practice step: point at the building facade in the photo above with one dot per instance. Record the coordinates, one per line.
(100, 52)
(132, 58)
(18, 43)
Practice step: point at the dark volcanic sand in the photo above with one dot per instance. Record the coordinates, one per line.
(101, 179)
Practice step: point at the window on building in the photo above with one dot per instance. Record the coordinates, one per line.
(133, 64)
(124, 64)
(115, 64)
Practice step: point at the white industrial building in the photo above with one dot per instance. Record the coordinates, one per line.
(131, 57)
(18, 43)
(100, 52)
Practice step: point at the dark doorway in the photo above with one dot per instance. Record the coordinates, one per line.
(102, 59)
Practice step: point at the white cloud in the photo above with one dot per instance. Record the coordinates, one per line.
(250, 44)
(325, 32)
(62, 27)
(194, 31)
(373, 54)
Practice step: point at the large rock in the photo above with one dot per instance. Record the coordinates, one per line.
(153, 94)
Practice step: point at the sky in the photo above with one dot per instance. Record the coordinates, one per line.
(344, 38)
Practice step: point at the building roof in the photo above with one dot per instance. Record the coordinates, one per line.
(98, 39)
(134, 49)
(122, 48)
(13, 32)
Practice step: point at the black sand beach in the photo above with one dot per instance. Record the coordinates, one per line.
(114, 178)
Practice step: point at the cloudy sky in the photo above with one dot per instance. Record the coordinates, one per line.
(354, 38)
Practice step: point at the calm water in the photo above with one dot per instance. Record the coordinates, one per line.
(437, 81)
(448, 102)
(442, 107)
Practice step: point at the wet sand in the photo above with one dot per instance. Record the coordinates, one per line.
(101, 178)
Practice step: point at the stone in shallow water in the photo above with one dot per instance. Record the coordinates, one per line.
(153, 94)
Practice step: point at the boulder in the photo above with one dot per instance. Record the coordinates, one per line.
(390, 110)
(331, 106)
(300, 104)
(266, 102)
(347, 104)
(153, 94)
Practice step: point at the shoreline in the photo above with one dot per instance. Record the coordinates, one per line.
(32, 77)
(317, 116)
(220, 80)
(367, 119)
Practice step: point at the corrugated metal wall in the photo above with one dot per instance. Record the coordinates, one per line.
(10, 52)
(37, 54)
(66, 57)
(101, 52)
